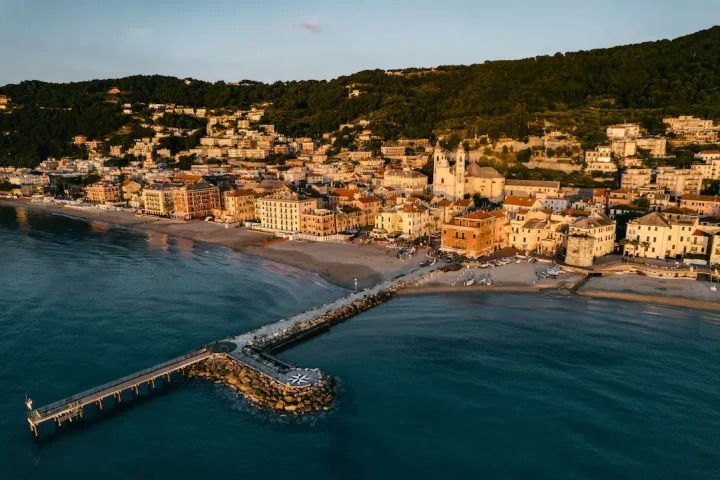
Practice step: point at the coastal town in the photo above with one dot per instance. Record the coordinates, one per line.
(244, 174)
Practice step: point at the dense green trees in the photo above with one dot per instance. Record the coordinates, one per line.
(582, 91)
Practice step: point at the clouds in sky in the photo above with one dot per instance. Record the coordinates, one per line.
(310, 27)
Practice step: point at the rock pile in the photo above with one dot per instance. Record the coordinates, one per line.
(264, 391)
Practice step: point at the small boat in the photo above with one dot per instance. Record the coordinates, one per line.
(482, 282)
(518, 261)
(542, 274)
(485, 265)
(713, 288)
(470, 282)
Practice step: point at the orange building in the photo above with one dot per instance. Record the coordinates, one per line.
(196, 200)
(102, 192)
(319, 223)
(370, 206)
(475, 234)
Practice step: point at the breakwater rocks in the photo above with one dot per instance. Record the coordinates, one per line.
(268, 390)
(264, 391)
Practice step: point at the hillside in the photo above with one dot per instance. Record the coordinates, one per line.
(639, 82)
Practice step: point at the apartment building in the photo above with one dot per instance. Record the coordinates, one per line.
(159, 199)
(704, 205)
(600, 159)
(472, 235)
(196, 200)
(239, 205)
(679, 182)
(409, 221)
(657, 235)
(634, 178)
(102, 192)
(320, 223)
(282, 211)
(408, 182)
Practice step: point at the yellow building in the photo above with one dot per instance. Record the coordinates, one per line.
(484, 181)
(406, 181)
(532, 188)
(239, 205)
(102, 192)
(282, 211)
(159, 199)
(409, 221)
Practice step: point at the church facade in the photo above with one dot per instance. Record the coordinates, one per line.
(463, 178)
(448, 180)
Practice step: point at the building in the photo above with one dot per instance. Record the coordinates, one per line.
(239, 205)
(600, 159)
(657, 235)
(159, 199)
(555, 204)
(598, 227)
(319, 223)
(532, 188)
(370, 206)
(623, 131)
(679, 182)
(102, 192)
(409, 221)
(392, 151)
(687, 124)
(516, 204)
(484, 181)
(196, 200)
(282, 211)
(408, 182)
(704, 205)
(449, 181)
(474, 234)
(634, 178)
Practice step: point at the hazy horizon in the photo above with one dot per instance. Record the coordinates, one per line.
(82, 40)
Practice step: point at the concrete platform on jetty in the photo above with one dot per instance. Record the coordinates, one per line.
(253, 350)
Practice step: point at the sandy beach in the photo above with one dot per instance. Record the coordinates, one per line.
(664, 291)
(337, 263)
(342, 263)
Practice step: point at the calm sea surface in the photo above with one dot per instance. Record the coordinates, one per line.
(458, 386)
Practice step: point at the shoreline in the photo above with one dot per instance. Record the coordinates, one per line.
(335, 263)
(341, 264)
(651, 299)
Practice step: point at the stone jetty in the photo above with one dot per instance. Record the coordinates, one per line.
(245, 363)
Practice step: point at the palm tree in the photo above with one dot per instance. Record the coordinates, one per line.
(645, 246)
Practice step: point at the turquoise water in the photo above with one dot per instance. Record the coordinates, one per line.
(454, 386)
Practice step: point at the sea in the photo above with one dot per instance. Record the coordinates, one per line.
(429, 387)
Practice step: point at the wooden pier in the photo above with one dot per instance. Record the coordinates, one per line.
(73, 408)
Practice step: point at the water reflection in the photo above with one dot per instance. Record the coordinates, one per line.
(157, 241)
(22, 219)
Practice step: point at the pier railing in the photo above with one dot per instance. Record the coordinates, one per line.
(56, 407)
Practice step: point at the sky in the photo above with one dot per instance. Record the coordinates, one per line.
(270, 40)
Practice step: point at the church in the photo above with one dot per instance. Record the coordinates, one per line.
(456, 181)
(449, 180)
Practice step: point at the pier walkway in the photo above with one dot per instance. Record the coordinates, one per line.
(73, 407)
(240, 348)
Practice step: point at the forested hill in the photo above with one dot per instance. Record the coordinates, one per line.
(680, 76)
